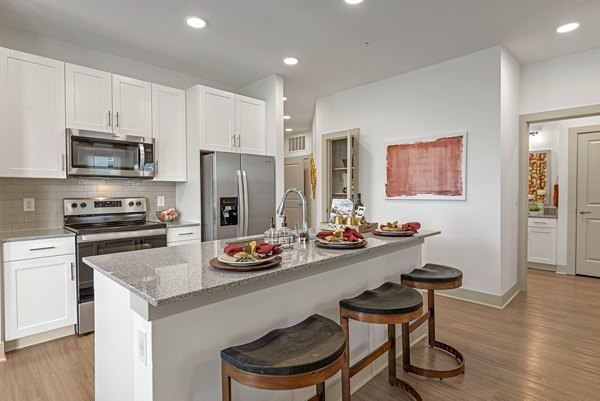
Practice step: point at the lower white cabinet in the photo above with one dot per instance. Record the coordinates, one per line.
(183, 235)
(39, 294)
(541, 241)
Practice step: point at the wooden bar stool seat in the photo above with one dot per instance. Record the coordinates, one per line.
(431, 277)
(389, 304)
(289, 358)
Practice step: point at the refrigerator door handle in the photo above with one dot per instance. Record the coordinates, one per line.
(245, 176)
(241, 205)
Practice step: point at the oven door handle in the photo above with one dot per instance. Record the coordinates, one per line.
(121, 235)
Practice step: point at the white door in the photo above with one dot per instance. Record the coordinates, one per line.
(250, 125)
(588, 204)
(89, 98)
(32, 116)
(168, 130)
(132, 106)
(217, 120)
(39, 295)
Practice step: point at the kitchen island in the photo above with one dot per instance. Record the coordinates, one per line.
(163, 315)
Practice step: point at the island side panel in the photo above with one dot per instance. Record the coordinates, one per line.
(186, 346)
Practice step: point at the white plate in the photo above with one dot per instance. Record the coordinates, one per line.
(230, 260)
(395, 233)
(339, 244)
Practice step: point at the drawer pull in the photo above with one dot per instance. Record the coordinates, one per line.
(539, 222)
(72, 271)
(186, 234)
(42, 249)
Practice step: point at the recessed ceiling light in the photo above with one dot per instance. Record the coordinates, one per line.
(290, 60)
(289, 129)
(286, 117)
(571, 26)
(284, 98)
(195, 22)
(353, 2)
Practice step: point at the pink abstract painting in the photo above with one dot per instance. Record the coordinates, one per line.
(432, 168)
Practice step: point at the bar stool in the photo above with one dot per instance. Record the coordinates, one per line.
(390, 304)
(431, 277)
(286, 359)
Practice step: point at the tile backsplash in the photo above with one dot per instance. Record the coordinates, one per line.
(49, 193)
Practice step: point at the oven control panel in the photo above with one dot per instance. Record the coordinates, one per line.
(79, 207)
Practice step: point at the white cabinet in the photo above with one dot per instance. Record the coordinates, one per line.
(541, 241)
(168, 130)
(32, 116)
(250, 125)
(227, 122)
(100, 101)
(132, 106)
(183, 235)
(39, 288)
(89, 99)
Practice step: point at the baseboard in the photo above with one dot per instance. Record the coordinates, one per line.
(541, 266)
(334, 387)
(39, 338)
(482, 298)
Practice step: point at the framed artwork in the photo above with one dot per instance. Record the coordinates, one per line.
(430, 168)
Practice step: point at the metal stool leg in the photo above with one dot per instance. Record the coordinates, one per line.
(225, 384)
(321, 391)
(346, 366)
(392, 354)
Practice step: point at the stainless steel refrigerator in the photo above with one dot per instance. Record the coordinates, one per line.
(238, 194)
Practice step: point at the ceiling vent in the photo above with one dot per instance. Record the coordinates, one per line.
(296, 143)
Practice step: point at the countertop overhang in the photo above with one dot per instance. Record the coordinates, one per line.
(164, 276)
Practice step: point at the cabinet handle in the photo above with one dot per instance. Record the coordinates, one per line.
(41, 249)
(63, 163)
(117, 119)
(72, 271)
(109, 120)
(239, 142)
(186, 234)
(539, 222)
(233, 141)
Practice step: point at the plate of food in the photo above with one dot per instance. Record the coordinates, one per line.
(250, 254)
(393, 229)
(347, 238)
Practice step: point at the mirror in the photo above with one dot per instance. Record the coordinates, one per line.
(539, 176)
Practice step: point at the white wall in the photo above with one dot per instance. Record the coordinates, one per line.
(458, 95)
(308, 144)
(555, 136)
(560, 83)
(509, 133)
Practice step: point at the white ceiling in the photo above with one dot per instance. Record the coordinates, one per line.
(247, 39)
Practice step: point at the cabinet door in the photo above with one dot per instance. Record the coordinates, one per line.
(217, 110)
(32, 116)
(89, 98)
(39, 295)
(132, 106)
(168, 130)
(541, 245)
(250, 125)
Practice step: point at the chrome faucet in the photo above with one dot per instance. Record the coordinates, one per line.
(281, 211)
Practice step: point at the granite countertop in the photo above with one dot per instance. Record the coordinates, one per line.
(543, 216)
(27, 235)
(177, 224)
(163, 276)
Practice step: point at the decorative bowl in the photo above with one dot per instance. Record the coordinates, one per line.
(167, 215)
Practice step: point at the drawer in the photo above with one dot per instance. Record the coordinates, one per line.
(540, 222)
(39, 248)
(177, 234)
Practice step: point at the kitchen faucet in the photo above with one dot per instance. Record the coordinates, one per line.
(281, 211)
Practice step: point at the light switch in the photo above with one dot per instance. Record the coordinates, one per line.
(29, 204)
(160, 201)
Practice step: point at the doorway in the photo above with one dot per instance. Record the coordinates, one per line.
(567, 194)
(297, 175)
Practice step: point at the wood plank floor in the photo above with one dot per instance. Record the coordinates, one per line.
(545, 346)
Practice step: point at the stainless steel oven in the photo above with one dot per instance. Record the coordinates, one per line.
(105, 226)
(100, 154)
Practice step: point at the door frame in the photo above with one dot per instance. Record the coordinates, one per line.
(572, 195)
(524, 121)
(307, 194)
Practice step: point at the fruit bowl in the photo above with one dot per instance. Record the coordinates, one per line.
(167, 215)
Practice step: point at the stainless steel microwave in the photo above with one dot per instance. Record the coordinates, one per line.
(100, 154)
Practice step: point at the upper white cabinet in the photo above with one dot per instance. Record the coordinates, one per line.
(100, 101)
(132, 106)
(250, 124)
(89, 99)
(32, 116)
(169, 132)
(225, 121)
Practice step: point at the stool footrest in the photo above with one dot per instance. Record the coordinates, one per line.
(367, 360)
(440, 374)
(408, 388)
(415, 325)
